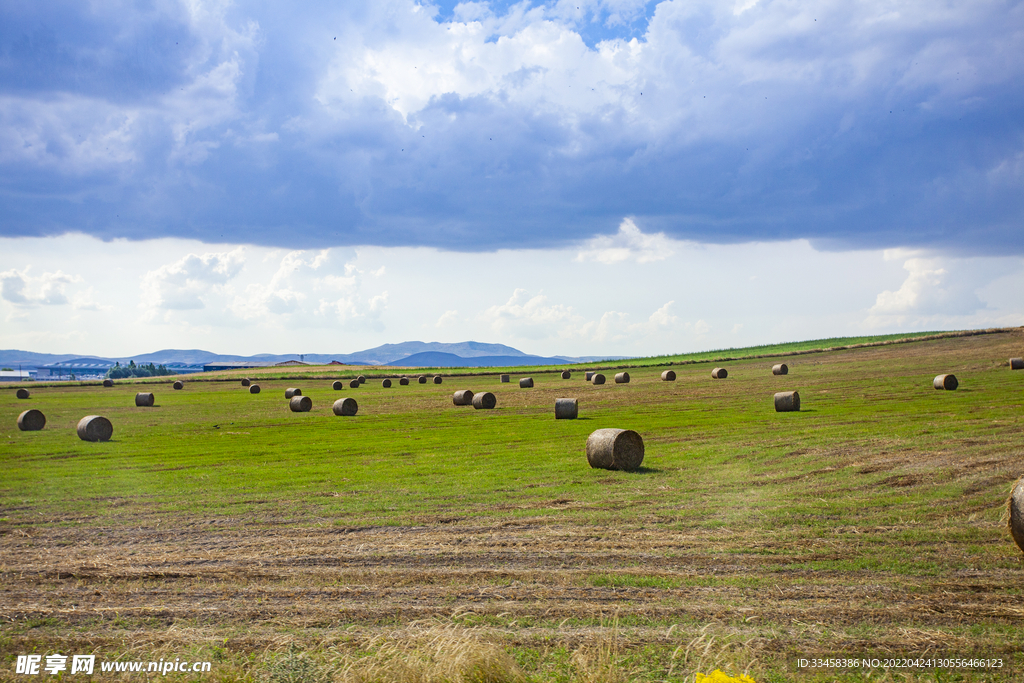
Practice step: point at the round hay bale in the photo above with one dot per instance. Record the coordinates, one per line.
(404, 382)
(787, 402)
(484, 401)
(345, 407)
(245, 382)
(386, 384)
(462, 397)
(108, 382)
(947, 382)
(1015, 508)
(566, 374)
(622, 378)
(504, 378)
(1017, 363)
(615, 449)
(338, 385)
(354, 384)
(422, 379)
(31, 421)
(589, 375)
(567, 408)
(597, 378)
(145, 399)
(719, 373)
(780, 369)
(437, 379)
(362, 379)
(178, 385)
(21, 393)
(254, 389)
(300, 404)
(290, 393)
(526, 383)
(668, 376)
(95, 428)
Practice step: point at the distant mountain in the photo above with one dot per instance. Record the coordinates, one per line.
(436, 359)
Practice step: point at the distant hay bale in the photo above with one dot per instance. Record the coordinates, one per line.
(300, 404)
(21, 393)
(566, 374)
(289, 393)
(338, 385)
(31, 421)
(404, 382)
(422, 379)
(245, 382)
(462, 397)
(145, 399)
(719, 373)
(567, 408)
(787, 402)
(108, 382)
(1015, 510)
(254, 389)
(484, 401)
(526, 383)
(95, 428)
(178, 385)
(589, 375)
(780, 369)
(947, 382)
(437, 379)
(615, 449)
(1017, 363)
(362, 379)
(668, 376)
(503, 378)
(386, 384)
(354, 384)
(597, 378)
(622, 378)
(345, 407)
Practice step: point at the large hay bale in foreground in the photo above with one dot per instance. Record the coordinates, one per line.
(589, 375)
(178, 385)
(566, 374)
(338, 385)
(615, 449)
(668, 376)
(404, 382)
(386, 384)
(503, 379)
(462, 397)
(145, 399)
(437, 379)
(95, 428)
(422, 379)
(300, 404)
(21, 393)
(290, 393)
(245, 382)
(1015, 510)
(254, 389)
(484, 401)
(946, 382)
(787, 402)
(354, 384)
(567, 408)
(622, 378)
(597, 378)
(108, 382)
(345, 407)
(1017, 363)
(719, 373)
(780, 369)
(526, 383)
(31, 421)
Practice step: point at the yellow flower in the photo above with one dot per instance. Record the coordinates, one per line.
(718, 676)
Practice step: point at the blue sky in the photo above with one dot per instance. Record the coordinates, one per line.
(881, 132)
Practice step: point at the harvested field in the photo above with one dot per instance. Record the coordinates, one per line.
(869, 524)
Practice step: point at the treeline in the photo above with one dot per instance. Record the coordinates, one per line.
(132, 370)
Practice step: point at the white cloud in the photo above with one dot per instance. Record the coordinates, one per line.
(447, 318)
(629, 243)
(49, 289)
(186, 283)
(531, 317)
(929, 288)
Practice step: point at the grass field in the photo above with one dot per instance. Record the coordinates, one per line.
(420, 541)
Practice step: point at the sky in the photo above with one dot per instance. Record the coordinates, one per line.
(577, 178)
